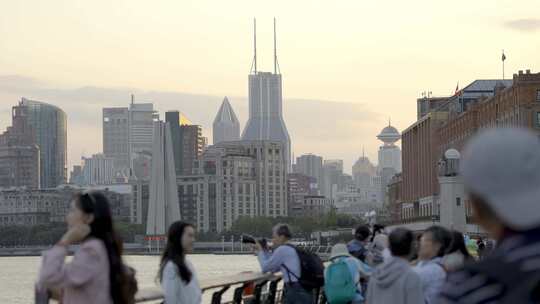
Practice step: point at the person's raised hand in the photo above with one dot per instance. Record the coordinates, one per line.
(75, 234)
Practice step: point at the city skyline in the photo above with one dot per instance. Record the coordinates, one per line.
(368, 59)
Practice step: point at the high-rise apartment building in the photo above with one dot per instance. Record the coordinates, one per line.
(19, 153)
(332, 172)
(116, 137)
(187, 140)
(234, 179)
(310, 165)
(173, 119)
(192, 146)
(141, 127)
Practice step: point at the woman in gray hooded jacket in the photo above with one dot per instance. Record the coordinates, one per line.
(394, 281)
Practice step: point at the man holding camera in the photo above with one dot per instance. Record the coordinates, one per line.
(284, 259)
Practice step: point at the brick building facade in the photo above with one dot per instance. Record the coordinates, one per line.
(514, 103)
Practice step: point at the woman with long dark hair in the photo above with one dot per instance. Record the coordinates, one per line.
(176, 273)
(457, 254)
(96, 274)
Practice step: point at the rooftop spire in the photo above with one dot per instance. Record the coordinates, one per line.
(254, 64)
(276, 64)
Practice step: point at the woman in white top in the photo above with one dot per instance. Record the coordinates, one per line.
(177, 275)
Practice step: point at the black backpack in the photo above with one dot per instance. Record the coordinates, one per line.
(311, 269)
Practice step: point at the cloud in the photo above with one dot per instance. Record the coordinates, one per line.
(523, 25)
(328, 128)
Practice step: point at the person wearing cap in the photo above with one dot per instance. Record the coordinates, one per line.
(394, 281)
(358, 270)
(501, 172)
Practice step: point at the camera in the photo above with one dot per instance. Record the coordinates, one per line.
(248, 239)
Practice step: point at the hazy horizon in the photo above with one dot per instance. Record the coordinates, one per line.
(351, 65)
(83, 107)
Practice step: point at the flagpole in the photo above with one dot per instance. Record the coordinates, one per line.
(503, 58)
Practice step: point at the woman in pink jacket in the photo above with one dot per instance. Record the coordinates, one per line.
(96, 274)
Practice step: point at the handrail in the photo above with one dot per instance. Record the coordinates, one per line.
(152, 294)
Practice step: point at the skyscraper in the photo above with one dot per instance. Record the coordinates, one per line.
(226, 126)
(310, 165)
(187, 142)
(141, 123)
(116, 137)
(332, 172)
(163, 207)
(19, 153)
(192, 147)
(173, 119)
(265, 105)
(127, 132)
(50, 126)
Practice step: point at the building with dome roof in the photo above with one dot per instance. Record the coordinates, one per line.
(389, 153)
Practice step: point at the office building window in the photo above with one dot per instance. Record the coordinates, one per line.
(537, 119)
(538, 95)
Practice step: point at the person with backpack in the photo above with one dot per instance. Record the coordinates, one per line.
(500, 169)
(342, 278)
(176, 273)
(300, 270)
(358, 246)
(394, 281)
(434, 243)
(96, 274)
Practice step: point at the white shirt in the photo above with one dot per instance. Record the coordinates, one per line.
(175, 290)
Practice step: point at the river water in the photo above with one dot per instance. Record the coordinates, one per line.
(18, 274)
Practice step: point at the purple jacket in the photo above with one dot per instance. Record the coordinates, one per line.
(84, 280)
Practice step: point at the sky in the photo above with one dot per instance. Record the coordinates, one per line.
(347, 66)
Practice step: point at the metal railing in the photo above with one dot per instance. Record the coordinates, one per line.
(254, 287)
(265, 287)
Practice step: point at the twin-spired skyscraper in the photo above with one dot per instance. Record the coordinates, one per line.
(265, 104)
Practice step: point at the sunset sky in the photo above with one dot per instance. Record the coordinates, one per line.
(370, 59)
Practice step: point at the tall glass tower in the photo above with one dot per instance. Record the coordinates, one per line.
(50, 125)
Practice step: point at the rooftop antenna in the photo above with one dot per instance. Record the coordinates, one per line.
(132, 98)
(276, 64)
(254, 64)
(389, 121)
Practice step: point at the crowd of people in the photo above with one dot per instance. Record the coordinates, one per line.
(501, 172)
(500, 169)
